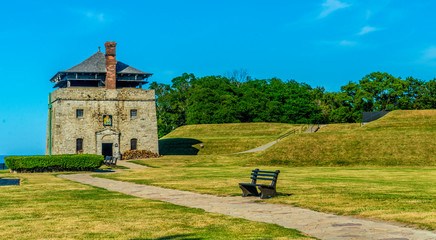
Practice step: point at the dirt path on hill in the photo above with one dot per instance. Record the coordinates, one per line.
(266, 146)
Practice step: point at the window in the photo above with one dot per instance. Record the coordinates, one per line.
(133, 113)
(133, 143)
(79, 113)
(79, 145)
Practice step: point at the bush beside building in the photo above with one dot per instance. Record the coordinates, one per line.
(66, 162)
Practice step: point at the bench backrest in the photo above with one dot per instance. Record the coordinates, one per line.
(264, 175)
(108, 160)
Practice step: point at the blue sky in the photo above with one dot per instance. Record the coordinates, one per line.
(321, 42)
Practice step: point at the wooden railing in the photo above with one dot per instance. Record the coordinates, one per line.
(293, 131)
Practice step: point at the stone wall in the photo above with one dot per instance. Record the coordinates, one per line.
(96, 102)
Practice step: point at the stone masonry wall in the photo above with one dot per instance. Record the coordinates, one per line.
(96, 102)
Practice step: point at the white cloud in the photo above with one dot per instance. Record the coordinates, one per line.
(429, 54)
(329, 6)
(368, 14)
(341, 43)
(367, 29)
(101, 17)
(169, 72)
(95, 16)
(347, 43)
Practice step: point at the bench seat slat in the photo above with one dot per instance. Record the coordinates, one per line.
(266, 175)
(258, 178)
(254, 184)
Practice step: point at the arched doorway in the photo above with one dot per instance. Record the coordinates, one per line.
(108, 142)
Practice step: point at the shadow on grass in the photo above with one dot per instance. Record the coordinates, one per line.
(284, 194)
(178, 146)
(9, 182)
(177, 237)
(107, 170)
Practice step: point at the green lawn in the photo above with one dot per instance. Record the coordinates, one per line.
(220, 138)
(384, 170)
(406, 195)
(401, 138)
(47, 207)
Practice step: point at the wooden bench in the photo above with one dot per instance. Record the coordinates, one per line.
(266, 191)
(110, 161)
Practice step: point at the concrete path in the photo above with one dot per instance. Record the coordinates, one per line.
(264, 147)
(317, 224)
(314, 129)
(130, 165)
(261, 148)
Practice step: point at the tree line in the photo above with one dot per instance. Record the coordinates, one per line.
(239, 98)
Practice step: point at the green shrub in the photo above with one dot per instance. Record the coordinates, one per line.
(66, 162)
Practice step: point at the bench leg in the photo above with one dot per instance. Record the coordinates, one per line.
(247, 190)
(266, 192)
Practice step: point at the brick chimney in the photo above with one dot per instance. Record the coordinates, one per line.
(111, 65)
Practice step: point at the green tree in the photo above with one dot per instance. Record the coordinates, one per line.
(253, 99)
(212, 100)
(429, 99)
(172, 102)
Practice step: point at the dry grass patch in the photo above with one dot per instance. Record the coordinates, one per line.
(403, 192)
(401, 138)
(339, 127)
(404, 195)
(47, 207)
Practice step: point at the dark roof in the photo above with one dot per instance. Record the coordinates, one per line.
(97, 64)
(94, 64)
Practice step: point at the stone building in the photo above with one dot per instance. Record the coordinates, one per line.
(99, 107)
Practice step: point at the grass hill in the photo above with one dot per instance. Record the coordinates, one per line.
(401, 138)
(405, 139)
(220, 138)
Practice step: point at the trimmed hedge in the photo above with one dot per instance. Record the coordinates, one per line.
(66, 162)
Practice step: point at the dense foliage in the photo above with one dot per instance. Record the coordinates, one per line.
(234, 99)
(66, 162)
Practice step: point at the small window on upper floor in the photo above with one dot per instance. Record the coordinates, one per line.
(133, 143)
(79, 145)
(133, 113)
(79, 113)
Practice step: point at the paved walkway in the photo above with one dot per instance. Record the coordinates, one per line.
(264, 147)
(317, 224)
(130, 165)
(261, 148)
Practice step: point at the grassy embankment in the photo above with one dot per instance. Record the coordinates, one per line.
(402, 192)
(220, 138)
(47, 207)
(401, 138)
